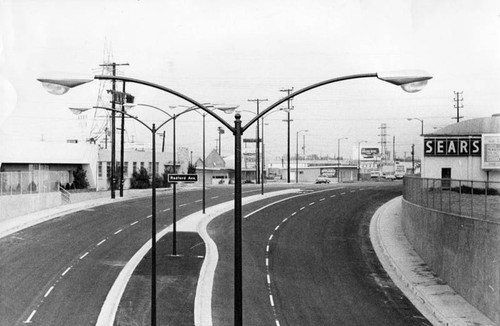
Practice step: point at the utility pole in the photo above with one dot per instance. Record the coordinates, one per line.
(288, 91)
(458, 98)
(221, 131)
(113, 66)
(413, 158)
(257, 146)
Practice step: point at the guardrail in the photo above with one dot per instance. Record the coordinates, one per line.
(474, 199)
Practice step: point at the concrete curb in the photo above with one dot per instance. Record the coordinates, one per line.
(438, 302)
(196, 222)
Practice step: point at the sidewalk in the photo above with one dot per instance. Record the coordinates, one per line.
(436, 301)
(18, 223)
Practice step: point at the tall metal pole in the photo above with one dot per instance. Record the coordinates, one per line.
(122, 145)
(338, 160)
(153, 233)
(204, 115)
(288, 145)
(174, 208)
(262, 161)
(113, 134)
(297, 160)
(238, 262)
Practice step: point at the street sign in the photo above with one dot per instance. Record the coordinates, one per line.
(182, 178)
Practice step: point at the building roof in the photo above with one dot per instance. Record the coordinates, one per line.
(472, 127)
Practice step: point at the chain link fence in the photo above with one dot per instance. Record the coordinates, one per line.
(19, 183)
(476, 199)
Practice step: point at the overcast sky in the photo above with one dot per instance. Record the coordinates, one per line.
(223, 51)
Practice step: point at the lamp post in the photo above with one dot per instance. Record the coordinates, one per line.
(359, 156)
(153, 129)
(421, 122)
(297, 156)
(338, 158)
(409, 81)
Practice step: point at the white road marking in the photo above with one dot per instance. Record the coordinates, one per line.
(302, 208)
(311, 203)
(84, 255)
(197, 201)
(322, 199)
(149, 216)
(271, 237)
(182, 205)
(267, 248)
(292, 214)
(267, 261)
(166, 210)
(215, 197)
(118, 231)
(332, 196)
(271, 299)
(27, 321)
(100, 243)
(48, 292)
(353, 190)
(268, 279)
(66, 271)
(134, 223)
(342, 193)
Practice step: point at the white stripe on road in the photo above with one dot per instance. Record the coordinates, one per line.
(48, 292)
(85, 254)
(66, 271)
(134, 223)
(29, 318)
(100, 243)
(118, 231)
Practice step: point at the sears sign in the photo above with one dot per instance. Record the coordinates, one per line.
(452, 146)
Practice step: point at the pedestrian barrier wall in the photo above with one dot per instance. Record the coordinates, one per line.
(464, 251)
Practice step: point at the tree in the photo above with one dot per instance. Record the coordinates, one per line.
(191, 168)
(80, 178)
(140, 180)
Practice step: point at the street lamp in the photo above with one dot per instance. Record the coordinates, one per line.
(153, 129)
(338, 158)
(410, 82)
(287, 110)
(421, 122)
(359, 156)
(297, 156)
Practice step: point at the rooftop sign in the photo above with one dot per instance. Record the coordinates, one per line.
(452, 146)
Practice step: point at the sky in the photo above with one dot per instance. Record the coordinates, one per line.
(230, 52)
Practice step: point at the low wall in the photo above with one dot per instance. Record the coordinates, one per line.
(463, 251)
(18, 205)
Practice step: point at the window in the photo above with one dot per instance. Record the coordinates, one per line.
(142, 165)
(108, 168)
(157, 167)
(99, 169)
(150, 167)
(134, 167)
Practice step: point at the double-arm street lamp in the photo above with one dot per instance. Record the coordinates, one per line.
(297, 156)
(409, 81)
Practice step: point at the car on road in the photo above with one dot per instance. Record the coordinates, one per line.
(322, 180)
(390, 177)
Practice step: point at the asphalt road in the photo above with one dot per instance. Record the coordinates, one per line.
(309, 261)
(59, 272)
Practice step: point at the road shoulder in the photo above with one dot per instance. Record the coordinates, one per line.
(438, 302)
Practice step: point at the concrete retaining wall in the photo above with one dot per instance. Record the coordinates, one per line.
(464, 252)
(17, 205)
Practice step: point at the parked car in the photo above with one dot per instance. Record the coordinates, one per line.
(322, 180)
(390, 177)
(375, 174)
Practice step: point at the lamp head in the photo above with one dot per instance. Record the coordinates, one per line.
(228, 109)
(411, 81)
(61, 86)
(78, 111)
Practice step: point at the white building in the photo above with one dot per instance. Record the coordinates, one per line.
(468, 150)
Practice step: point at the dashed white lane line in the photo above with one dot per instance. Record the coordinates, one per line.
(322, 199)
(118, 231)
(48, 292)
(310, 204)
(66, 271)
(197, 201)
(353, 190)
(84, 255)
(149, 216)
(27, 321)
(134, 223)
(182, 205)
(271, 299)
(342, 193)
(100, 243)
(166, 210)
(215, 197)
(332, 196)
(302, 208)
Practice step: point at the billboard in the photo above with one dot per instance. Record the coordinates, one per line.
(367, 153)
(453, 146)
(490, 158)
